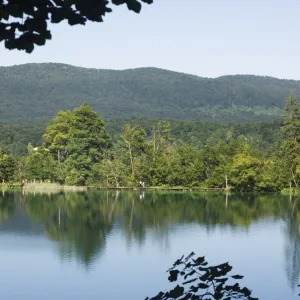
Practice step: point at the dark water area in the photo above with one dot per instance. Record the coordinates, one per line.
(118, 245)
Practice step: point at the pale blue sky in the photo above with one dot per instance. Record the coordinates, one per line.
(203, 37)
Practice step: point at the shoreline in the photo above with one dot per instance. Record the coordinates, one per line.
(159, 189)
(57, 187)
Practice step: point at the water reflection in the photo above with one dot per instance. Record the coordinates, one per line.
(292, 249)
(75, 220)
(81, 222)
(7, 206)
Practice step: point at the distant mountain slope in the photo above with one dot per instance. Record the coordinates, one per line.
(35, 92)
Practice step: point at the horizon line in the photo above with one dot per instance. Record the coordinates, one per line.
(147, 67)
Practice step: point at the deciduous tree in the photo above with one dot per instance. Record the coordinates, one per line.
(7, 166)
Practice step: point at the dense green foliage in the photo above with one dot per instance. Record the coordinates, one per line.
(260, 135)
(14, 139)
(78, 150)
(35, 92)
(7, 166)
(291, 145)
(40, 165)
(76, 141)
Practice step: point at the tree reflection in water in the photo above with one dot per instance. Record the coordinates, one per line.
(292, 249)
(7, 205)
(80, 222)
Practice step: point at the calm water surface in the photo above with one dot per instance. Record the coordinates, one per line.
(118, 245)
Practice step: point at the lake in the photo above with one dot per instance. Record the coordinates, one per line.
(118, 245)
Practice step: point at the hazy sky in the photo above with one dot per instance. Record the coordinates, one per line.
(207, 38)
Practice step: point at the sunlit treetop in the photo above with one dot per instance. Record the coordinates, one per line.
(24, 23)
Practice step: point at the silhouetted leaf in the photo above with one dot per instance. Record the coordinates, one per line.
(178, 261)
(134, 5)
(199, 260)
(32, 16)
(194, 289)
(203, 286)
(189, 281)
(176, 292)
(173, 275)
(237, 277)
(209, 279)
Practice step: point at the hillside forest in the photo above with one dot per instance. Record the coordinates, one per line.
(77, 149)
(36, 92)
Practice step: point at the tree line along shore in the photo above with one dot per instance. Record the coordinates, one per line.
(77, 150)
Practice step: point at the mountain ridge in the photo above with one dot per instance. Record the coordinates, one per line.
(35, 92)
(148, 68)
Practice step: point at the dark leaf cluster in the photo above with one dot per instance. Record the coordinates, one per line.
(199, 281)
(24, 23)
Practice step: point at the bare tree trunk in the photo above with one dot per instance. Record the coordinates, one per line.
(296, 184)
(59, 217)
(226, 182)
(131, 217)
(294, 204)
(114, 174)
(154, 143)
(113, 207)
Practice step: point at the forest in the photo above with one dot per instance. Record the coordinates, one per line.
(37, 91)
(14, 139)
(77, 149)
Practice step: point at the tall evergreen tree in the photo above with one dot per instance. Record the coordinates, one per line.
(291, 144)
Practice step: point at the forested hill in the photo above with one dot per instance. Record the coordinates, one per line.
(35, 92)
